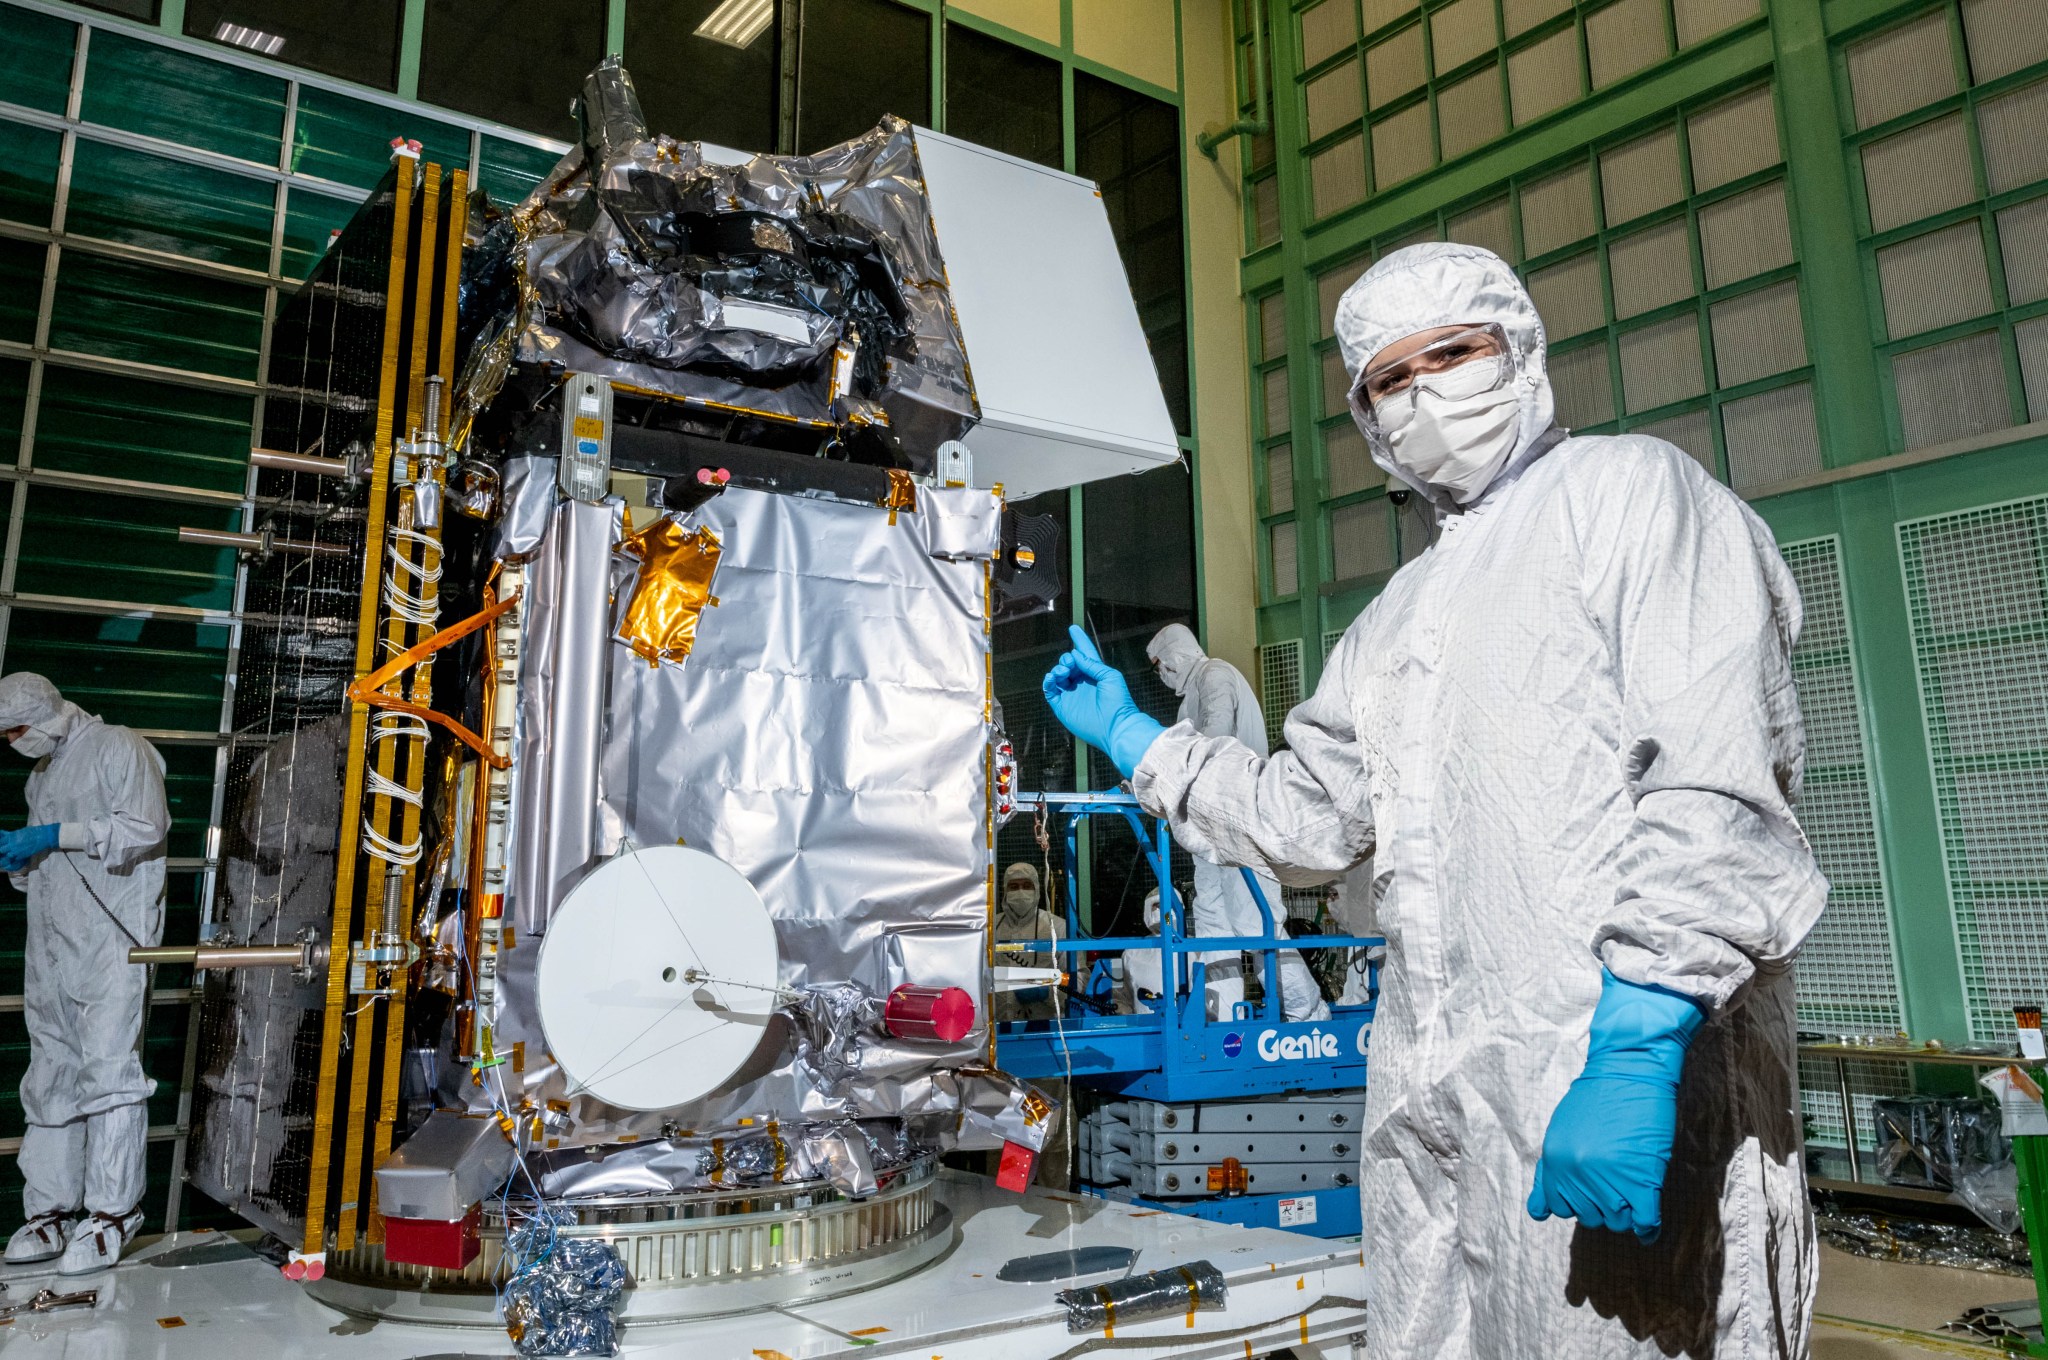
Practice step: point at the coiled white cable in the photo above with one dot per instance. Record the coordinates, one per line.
(402, 853)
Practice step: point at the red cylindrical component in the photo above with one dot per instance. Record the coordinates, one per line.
(942, 1013)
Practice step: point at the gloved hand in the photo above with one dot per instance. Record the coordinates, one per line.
(1609, 1141)
(1091, 700)
(19, 848)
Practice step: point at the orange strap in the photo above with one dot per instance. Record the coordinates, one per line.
(370, 689)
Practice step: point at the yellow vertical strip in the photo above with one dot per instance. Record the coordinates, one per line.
(400, 760)
(315, 1238)
(432, 288)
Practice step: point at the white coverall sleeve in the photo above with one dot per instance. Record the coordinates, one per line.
(1301, 816)
(136, 818)
(1701, 615)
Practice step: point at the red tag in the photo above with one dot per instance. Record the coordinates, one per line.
(1014, 1172)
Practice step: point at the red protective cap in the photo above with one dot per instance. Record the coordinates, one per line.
(942, 1013)
(1014, 1171)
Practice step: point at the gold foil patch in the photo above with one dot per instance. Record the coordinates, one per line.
(902, 493)
(673, 588)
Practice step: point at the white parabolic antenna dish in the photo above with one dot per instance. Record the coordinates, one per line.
(657, 978)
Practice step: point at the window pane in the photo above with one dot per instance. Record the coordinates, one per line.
(1002, 96)
(1326, 30)
(2032, 337)
(1641, 177)
(1651, 268)
(1336, 176)
(1459, 32)
(1544, 75)
(1400, 146)
(145, 10)
(1624, 38)
(1660, 364)
(1934, 280)
(1951, 390)
(1734, 138)
(1330, 289)
(1469, 112)
(1567, 296)
(1272, 326)
(1770, 437)
(2023, 243)
(1523, 15)
(1579, 382)
(351, 39)
(1279, 479)
(517, 62)
(1334, 99)
(1902, 70)
(1347, 461)
(1336, 384)
(1266, 210)
(1394, 67)
(696, 89)
(1557, 211)
(2015, 132)
(1743, 236)
(1487, 225)
(1282, 551)
(1918, 173)
(2003, 36)
(1129, 144)
(1699, 19)
(1274, 386)
(1361, 540)
(861, 59)
(1758, 334)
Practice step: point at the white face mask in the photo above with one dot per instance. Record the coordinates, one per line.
(1020, 901)
(1458, 443)
(34, 743)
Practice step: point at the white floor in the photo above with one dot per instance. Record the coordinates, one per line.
(206, 1297)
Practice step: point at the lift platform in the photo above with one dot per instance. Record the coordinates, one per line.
(1174, 1052)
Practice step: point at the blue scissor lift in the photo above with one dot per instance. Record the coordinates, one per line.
(1175, 1053)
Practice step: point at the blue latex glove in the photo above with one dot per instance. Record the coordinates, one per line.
(1091, 700)
(1609, 1142)
(19, 848)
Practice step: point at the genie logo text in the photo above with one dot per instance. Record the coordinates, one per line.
(1297, 1047)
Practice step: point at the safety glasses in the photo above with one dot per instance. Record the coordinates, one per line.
(1462, 364)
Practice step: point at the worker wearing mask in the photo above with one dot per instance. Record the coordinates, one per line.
(1023, 918)
(91, 860)
(1216, 701)
(1568, 738)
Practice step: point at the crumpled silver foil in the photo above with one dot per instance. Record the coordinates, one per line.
(615, 284)
(854, 1155)
(1196, 1287)
(565, 1292)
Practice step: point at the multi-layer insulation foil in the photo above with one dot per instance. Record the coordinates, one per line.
(806, 288)
(826, 735)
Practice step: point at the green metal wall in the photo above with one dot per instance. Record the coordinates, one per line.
(153, 200)
(1861, 362)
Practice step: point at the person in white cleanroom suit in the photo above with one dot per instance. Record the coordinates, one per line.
(1568, 738)
(1023, 918)
(1218, 702)
(91, 860)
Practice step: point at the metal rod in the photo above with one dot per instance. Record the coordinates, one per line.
(1261, 121)
(1849, 1138)
(281, 461)
(224, 956)
(260, 543)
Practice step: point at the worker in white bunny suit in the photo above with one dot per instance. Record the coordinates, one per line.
(1566, 735)
(1217, 701)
